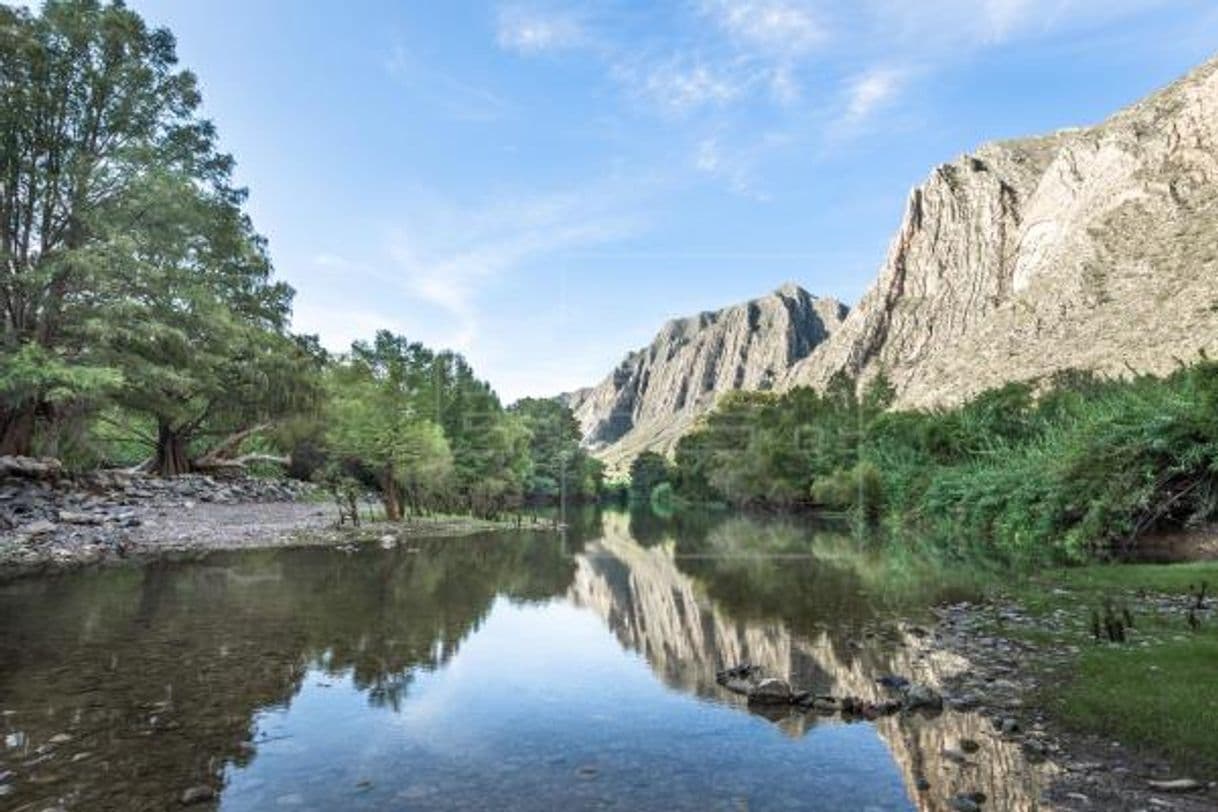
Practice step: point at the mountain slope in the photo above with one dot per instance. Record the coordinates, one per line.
(654, 395)
(1092, 249)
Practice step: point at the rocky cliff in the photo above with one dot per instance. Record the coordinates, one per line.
(1089, 249)
(653, 396)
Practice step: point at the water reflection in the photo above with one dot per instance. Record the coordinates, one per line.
(515, 671)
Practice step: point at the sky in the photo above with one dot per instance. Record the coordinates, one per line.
(540, 185)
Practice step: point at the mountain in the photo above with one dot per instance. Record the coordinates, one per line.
(654, 395)
(1090, 249)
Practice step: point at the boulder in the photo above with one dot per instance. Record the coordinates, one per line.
(770, 691)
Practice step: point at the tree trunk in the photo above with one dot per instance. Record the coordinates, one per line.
(389, 496)
(171, 459)
(17, 431)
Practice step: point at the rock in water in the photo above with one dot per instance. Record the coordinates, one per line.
(922, 697)
(770, 691)
(197, 795)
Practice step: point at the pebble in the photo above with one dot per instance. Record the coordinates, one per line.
(1176, 785)
(197, 795)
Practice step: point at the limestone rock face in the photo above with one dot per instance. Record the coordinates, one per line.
(1090, 249)
(654, 395)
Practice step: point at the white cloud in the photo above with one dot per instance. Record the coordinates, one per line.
(871, 91)
(531, 32)
(680, 86)
(450, 253)
(775, 26)
(943, 25)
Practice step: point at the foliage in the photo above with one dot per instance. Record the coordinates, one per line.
(1084, 464)
(559, 466)
(647, 472)
(133, 278)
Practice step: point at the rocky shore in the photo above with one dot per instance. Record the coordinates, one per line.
(1009, 674)
(1002, 680)
(51, 523)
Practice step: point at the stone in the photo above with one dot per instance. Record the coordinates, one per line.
(1176, 785)
(71, 517)
(197, 795)
(922, 697)
(770, 691)
(42, 527)
(826, 705)
(1009, 726)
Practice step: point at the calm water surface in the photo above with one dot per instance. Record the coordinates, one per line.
(521, 671)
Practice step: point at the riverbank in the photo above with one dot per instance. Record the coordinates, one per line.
(1129, 721)
(54, 526)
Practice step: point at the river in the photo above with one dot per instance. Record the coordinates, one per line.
(524, 670)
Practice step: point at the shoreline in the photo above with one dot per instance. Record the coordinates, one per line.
(67, 526)
(1011, 673)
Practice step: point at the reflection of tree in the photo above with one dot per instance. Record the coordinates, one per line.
(183, 657)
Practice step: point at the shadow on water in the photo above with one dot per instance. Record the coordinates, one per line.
(494, 670)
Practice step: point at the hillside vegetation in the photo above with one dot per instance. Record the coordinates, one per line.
(1083, 466)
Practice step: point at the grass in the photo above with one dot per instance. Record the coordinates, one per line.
(1155, 693)
(1160, 698)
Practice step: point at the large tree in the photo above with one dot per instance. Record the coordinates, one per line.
(128, 268)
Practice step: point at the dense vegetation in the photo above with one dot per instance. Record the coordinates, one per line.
(142, 324)
(1084, 463)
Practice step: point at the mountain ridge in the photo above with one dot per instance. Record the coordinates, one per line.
(652, 397)
(1091, 248)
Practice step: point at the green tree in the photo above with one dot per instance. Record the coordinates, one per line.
(131, 273)
(647, 471)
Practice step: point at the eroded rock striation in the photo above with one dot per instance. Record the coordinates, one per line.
(654, 395)
(1092, 249)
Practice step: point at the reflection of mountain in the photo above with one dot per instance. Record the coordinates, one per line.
(656, 609)
(157, 674)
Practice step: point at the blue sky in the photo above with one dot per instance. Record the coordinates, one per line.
(541, 184)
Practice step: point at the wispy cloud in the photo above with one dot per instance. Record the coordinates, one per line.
(457, 98)
(779, 27)
(450, 253)
(681, 85)
(943, 26)
(530, 31)
(871, 91)
(736, 165)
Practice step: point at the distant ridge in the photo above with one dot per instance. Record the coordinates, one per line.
(654, 395)
(1091, 248)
